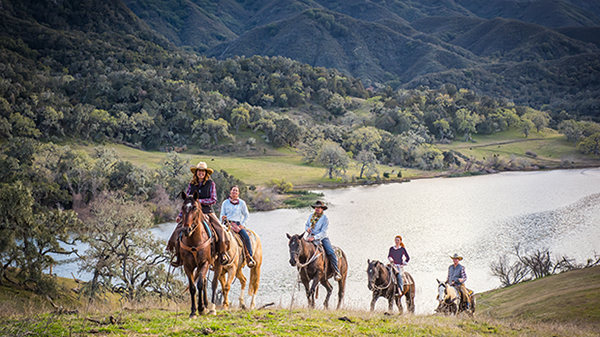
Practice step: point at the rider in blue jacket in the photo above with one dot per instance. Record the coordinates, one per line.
(316, 226)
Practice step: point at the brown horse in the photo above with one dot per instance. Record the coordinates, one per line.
(234, 268)
(313, 264)
(383, 283)
(197, 251)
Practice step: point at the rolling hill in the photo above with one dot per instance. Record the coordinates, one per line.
(405, 44)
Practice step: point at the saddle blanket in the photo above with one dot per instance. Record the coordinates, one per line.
(406, 279)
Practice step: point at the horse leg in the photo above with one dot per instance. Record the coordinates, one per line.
(374, 299)
(410, 298)
(202, 289)
(192, 288)
(253, 284)
(310, 290)
(391, 301)
(226, 279)
(329, 288)
(341, 291)
(399, 304)
(217, 271)
(242, 278)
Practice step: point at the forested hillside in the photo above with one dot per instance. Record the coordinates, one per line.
(407, 44)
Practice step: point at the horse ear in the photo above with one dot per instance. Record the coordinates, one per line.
(438, 281)
(195, 195)
(301, 236)
(368, 261)
(183, 195)
(288, 236)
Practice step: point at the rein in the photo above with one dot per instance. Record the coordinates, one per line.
(311, 260)
(375, 286)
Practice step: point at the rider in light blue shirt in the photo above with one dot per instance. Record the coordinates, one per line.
(316, 226)
(235, 210)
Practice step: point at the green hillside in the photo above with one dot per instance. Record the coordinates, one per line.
(572, 297)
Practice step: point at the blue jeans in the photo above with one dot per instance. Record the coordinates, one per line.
(400, 279)
(244, 235)
(330, 253)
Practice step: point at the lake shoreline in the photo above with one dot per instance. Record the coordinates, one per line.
(444, 174)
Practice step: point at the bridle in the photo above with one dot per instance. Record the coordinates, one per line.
(194, 250)
(299, 265)
(446, 294)
(372, 284)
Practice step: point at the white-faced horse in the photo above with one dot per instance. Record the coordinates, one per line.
(448, 298)
(450, 301)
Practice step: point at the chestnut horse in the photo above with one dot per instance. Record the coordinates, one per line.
(238, 261)
(383, 283)
(313, 264)
(197, 251)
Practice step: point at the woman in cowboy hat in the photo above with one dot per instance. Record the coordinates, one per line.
(457, 276)
(207, 196)
(316, 227)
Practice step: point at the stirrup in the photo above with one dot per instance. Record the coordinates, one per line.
(224, 260)
(337, 276)
(177, 262)
(250, 262)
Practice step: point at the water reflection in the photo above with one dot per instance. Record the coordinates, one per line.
(479, 217)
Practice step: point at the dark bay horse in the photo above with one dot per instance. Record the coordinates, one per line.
(383, 283)
(196, 250)
(313, 265)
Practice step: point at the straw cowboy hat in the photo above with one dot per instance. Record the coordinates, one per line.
(456, 256)
(319, 204)
(201, 166)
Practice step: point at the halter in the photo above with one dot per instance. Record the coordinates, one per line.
(375, 286)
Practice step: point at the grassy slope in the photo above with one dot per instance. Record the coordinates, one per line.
(567, 297)
(255, 169)
(561, 305)
(551, 147)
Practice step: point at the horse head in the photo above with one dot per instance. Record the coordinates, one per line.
(442, 291)
(373, 273)
(191, 212)
(295, 245)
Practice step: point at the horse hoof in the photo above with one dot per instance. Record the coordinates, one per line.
(212, 312)
(193, 316)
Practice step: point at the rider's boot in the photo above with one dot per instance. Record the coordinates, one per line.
(337, 275)
(177, 262)
(249, 260)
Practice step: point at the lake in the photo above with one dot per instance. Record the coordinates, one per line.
(480, 218)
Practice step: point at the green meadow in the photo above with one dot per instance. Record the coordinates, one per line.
(547, 149)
